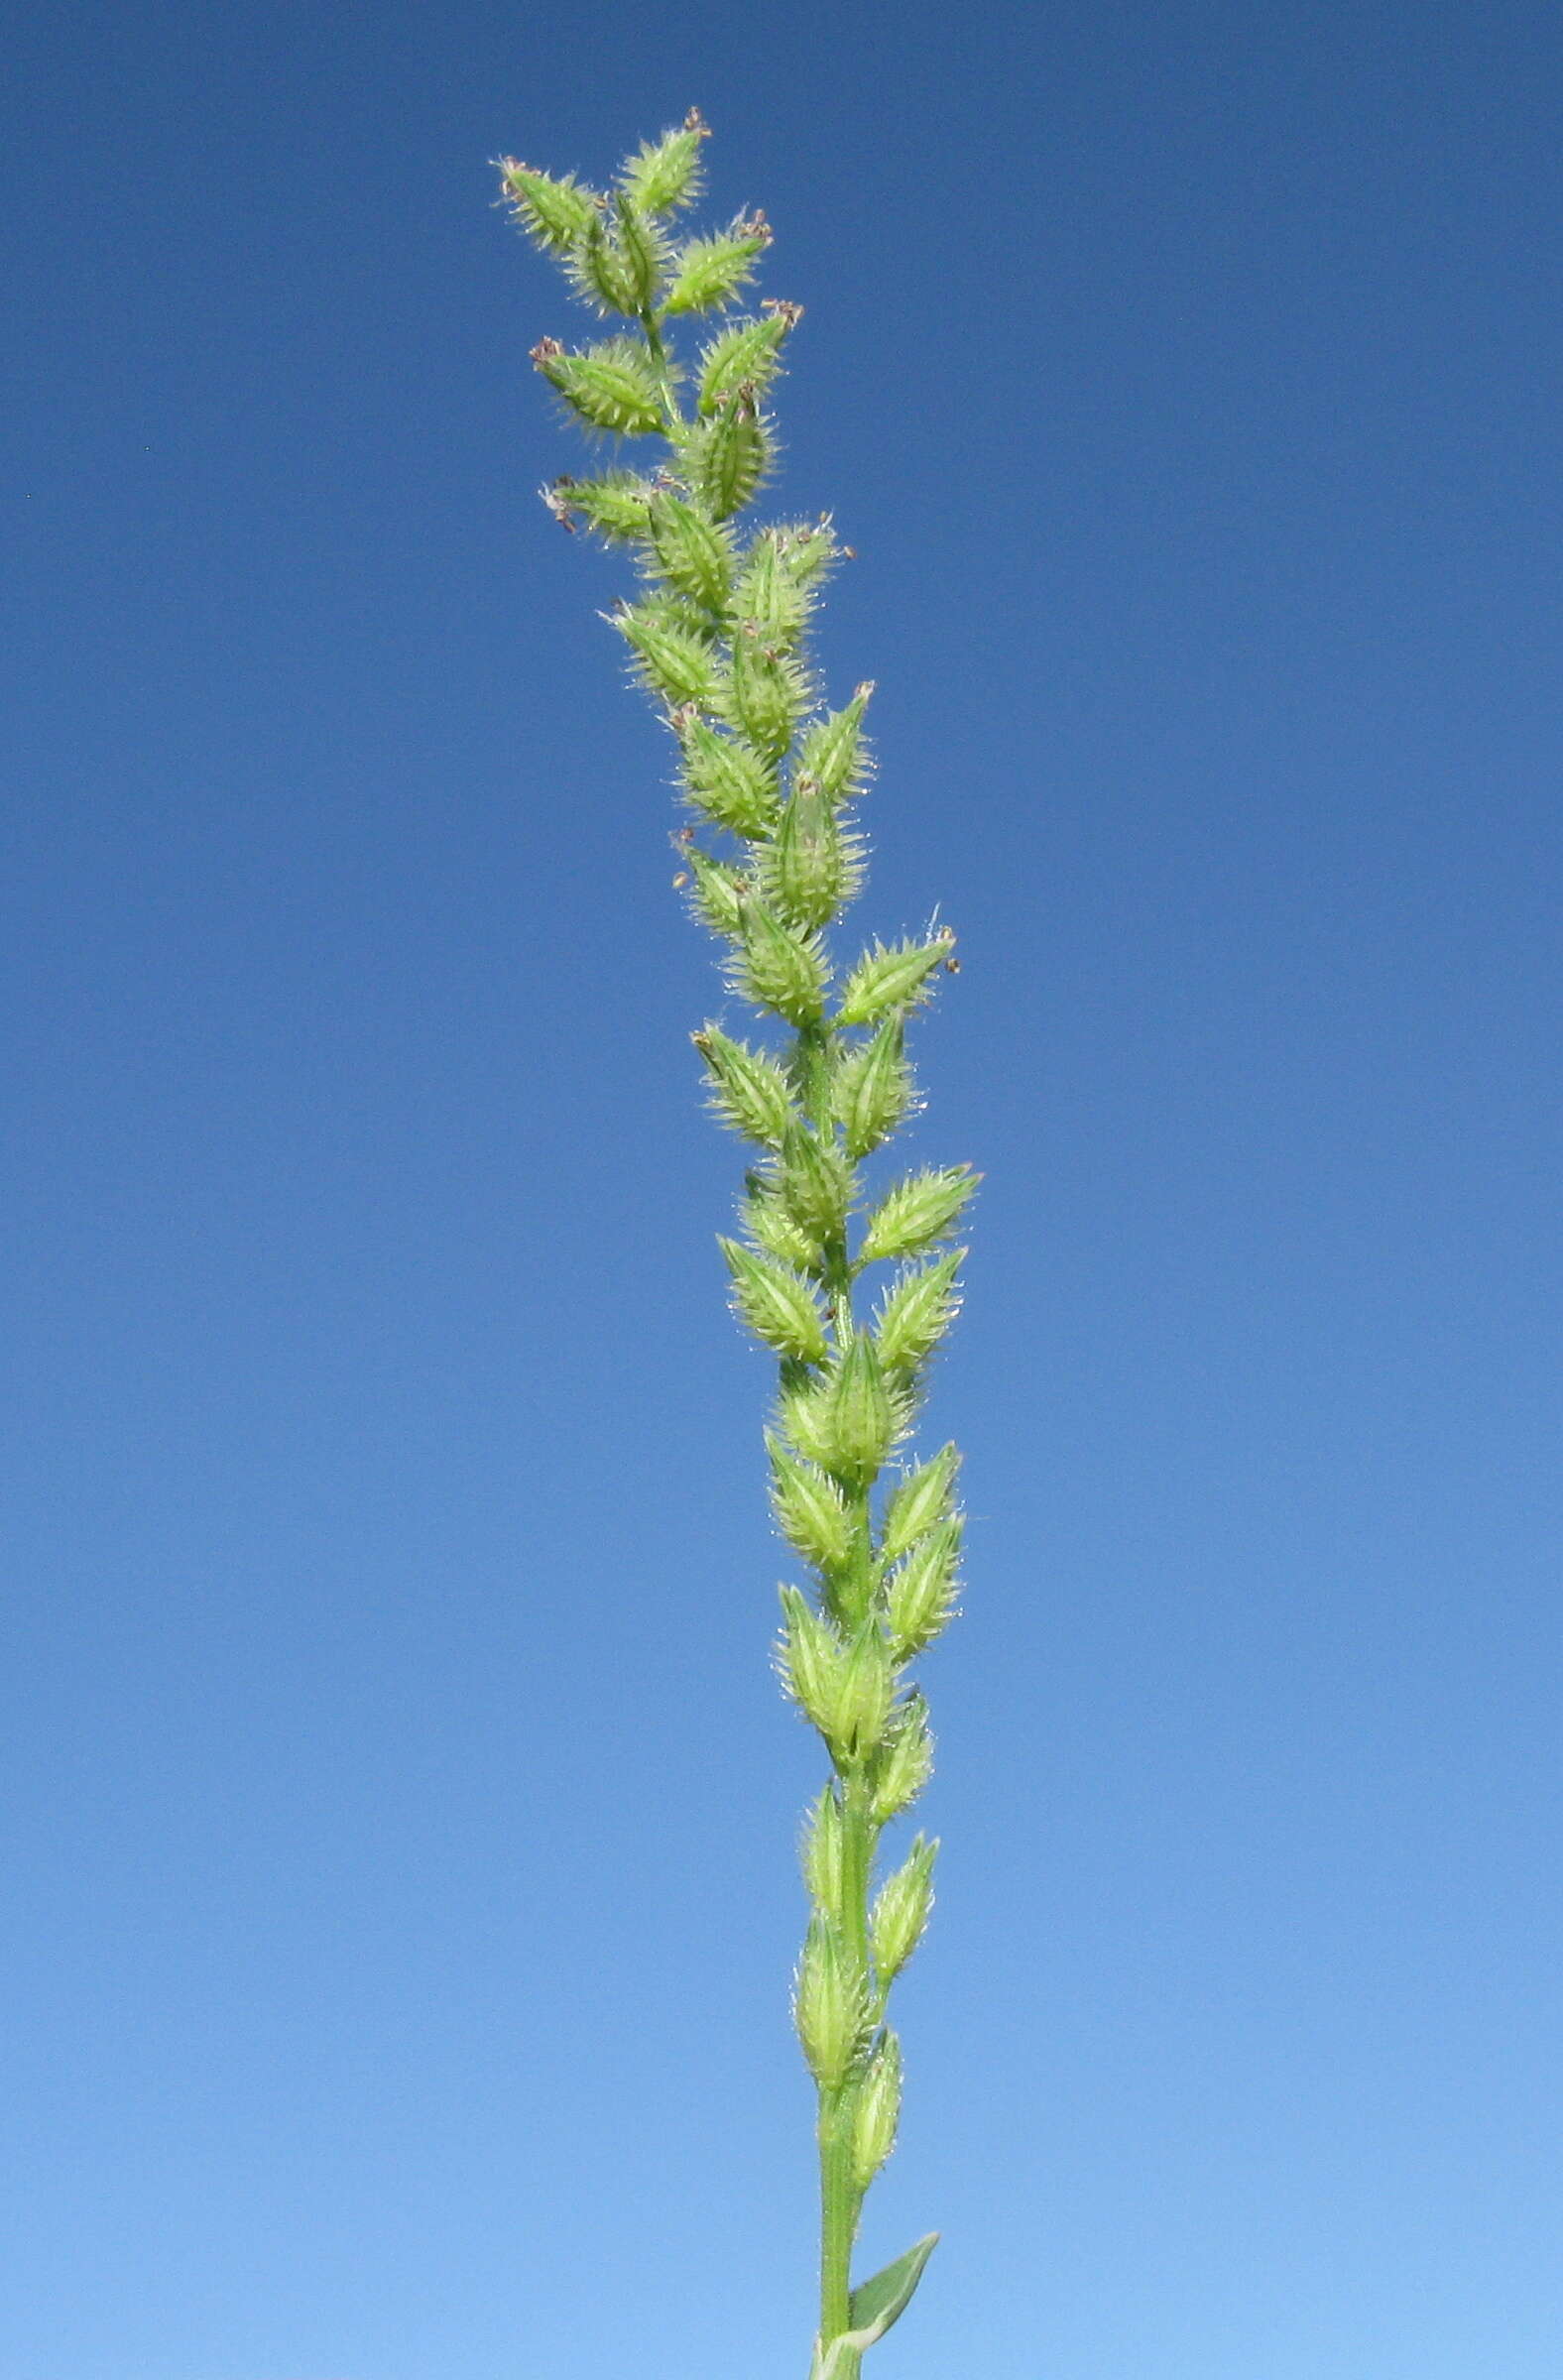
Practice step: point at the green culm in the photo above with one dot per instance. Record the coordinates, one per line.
(718, 635)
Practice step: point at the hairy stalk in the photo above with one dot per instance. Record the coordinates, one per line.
(718, 638)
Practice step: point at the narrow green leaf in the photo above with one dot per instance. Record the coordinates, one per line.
(880, 2302)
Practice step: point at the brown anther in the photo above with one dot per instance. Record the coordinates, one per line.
(546, 350)
(558, 503)
(695, 122)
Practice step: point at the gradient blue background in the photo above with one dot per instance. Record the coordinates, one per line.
(400, 1814)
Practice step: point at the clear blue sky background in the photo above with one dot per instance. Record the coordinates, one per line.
(399, 1812)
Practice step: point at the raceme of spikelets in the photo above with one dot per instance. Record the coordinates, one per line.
(718, 635)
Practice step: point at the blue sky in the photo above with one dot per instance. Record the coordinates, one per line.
(399, 1812)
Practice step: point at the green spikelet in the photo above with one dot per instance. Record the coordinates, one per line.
(726, 778)
(774, 597)
(747, 354)
(829, 2005)
(726, 458)
(918, 1211)
(695, 555)
(917, 1312)
(766, 692)
(642, 252)
(710, 272)
(718, 892)
(770, 1224)
(811, 1509)
(857, 1415)
(609, 387)
(876, 2110)
(750, 1092)
(780, 970)
(895, 978)
(815, 1185)
(920, 1502)
(671, 660)
(905, 1761)
(823, 1852)
(556, 215)
(617, 506)
(833, 752)
(782, 1310)
(901, 1912)
(813, 867)
(664, 176)
(922, 1589)
(872, 1089)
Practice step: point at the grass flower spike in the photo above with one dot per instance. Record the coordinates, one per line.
(717, 635)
